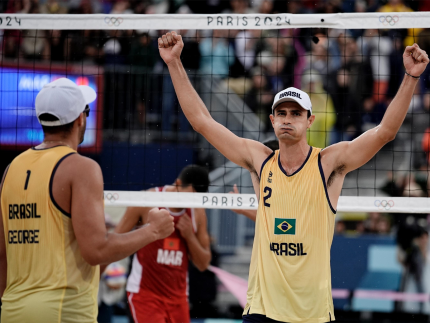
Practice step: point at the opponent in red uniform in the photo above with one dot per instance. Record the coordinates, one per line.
(157, 287)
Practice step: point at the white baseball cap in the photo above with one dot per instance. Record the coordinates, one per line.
(293, 94)
(63, 99)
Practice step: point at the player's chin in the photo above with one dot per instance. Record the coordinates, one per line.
(286, 135)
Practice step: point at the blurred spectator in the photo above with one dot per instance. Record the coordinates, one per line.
(112, 48)
(245, 47)
(318, 59)
(19, 6)
(340, 227)
(85, 45)
(383, 226)
(53, 7)
(57, 44)
(266, 7)
(35, 45)
(207, 6)
(158, 7)
(239, 7)
(346, 105)
(278, 53)
(377, 48)
(121, 7)
(322, 108)
(395, 6)
(217, 54)
(85, 6)
(190, 56)
(423, 40)
(259, 98)
(143, 54)
(371, 224)
(412, 239)
(399, 6)
(291, 6)
(329, 6)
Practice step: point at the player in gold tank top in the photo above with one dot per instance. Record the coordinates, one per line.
(52, 230)
(298, 188)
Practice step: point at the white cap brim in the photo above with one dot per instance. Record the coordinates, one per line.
(289, 99)
(88, 93)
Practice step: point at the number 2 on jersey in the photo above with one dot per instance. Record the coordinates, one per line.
(28, 178)
(269, 191)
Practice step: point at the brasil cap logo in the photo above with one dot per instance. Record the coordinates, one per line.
(285, 226)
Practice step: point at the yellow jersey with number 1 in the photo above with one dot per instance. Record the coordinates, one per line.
(289, 276)
(47, 278)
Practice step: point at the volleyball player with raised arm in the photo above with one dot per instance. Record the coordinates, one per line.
(298, 187)
(52, 225)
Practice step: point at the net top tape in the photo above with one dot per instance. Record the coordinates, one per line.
(374, 20)
(250, 202)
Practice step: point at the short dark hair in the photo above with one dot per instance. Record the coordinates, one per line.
(65, 129)
(272, 144)
(195, 175)
(309, 114)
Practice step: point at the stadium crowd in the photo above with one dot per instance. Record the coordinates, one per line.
(353, 74)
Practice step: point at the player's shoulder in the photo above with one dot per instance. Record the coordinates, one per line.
(260, 153)
(333, 151)
(331, 157)
(77, 166)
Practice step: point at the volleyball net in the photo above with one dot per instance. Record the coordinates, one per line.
(350, 64)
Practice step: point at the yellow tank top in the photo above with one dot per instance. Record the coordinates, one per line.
(289, 275)
(47, 278)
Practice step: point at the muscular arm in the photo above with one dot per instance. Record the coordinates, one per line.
(3, 258)
(352, 155)
(198, 243)
(96, 245)
(247, 153)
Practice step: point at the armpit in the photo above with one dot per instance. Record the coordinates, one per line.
(336, 172)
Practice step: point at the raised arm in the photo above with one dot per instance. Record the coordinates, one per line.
(247, 153)
(352, 155)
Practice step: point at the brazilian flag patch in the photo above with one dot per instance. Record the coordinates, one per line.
(285, 226)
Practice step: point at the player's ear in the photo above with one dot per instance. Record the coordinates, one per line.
(311, 120)
(272, 119)
(178, 182)
(80, 120)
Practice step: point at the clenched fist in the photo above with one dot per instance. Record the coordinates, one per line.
(185, 226)
(170, 46)
(415, 60)
(161, 223)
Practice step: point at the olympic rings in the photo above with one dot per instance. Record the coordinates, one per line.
(389, 20)
(111, 197)
(112, 21)
(384, 204)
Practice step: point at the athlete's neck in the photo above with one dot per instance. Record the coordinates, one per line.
(172, 188)
(56, 140)
(293, 156)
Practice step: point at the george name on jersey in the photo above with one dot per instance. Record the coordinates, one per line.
(170, 257)
(287, 249)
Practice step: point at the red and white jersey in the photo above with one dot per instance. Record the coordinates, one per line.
(161, 268)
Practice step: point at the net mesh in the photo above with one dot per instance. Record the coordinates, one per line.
(138, 133)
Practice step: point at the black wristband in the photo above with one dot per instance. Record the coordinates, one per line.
(415, 77)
